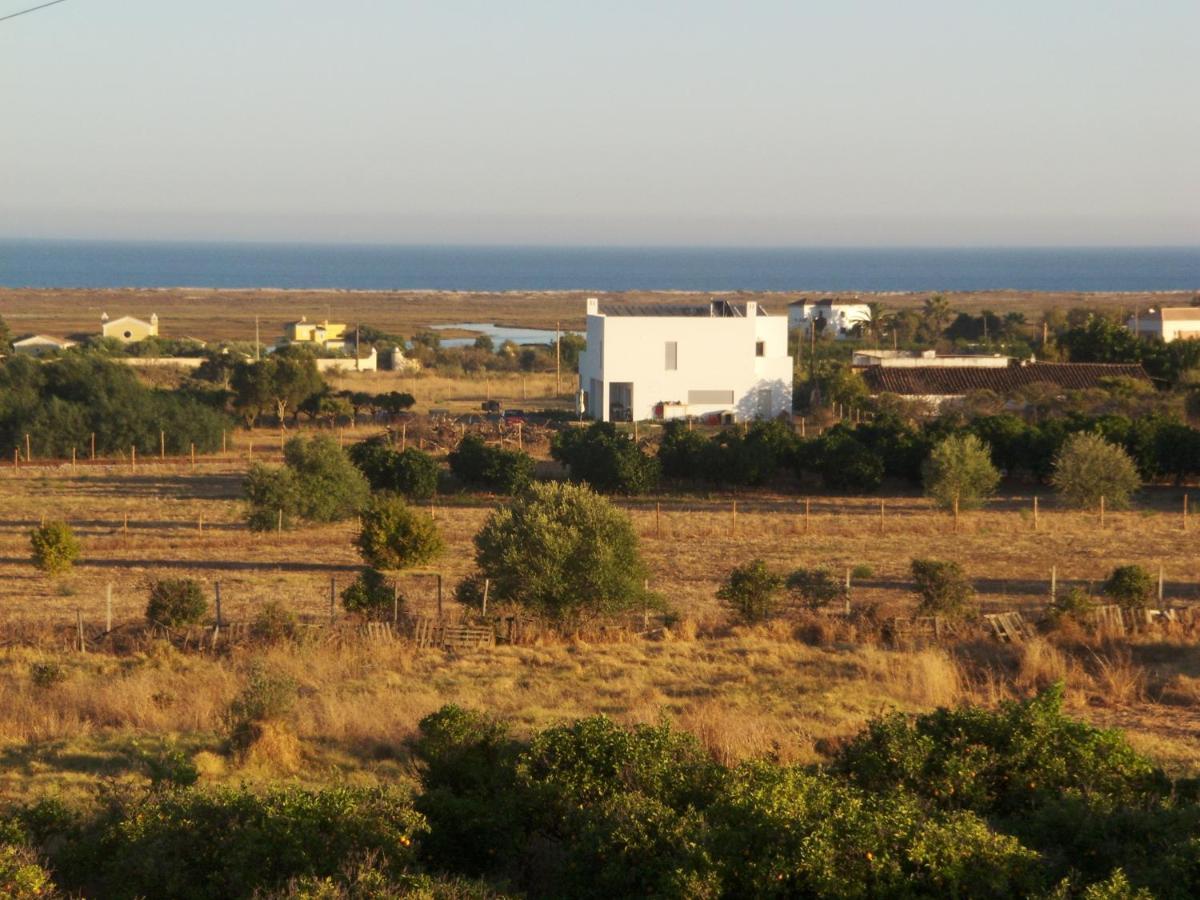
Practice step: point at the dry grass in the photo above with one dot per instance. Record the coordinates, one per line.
(230, 314)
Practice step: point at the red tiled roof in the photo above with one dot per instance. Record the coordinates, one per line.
(948, 381)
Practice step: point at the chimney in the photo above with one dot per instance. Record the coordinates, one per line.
(593, 306)
(751, 309)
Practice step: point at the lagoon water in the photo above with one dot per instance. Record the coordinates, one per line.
(103, 264)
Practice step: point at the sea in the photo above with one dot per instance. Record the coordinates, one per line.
(359, 267)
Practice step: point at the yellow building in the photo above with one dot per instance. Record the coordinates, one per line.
(331, 335)
(127, 329)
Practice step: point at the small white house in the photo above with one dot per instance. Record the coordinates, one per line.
(828, 316)
(663, 362)
(40, 344)
(1167, 324)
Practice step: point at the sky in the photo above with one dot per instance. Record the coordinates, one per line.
(604, 122)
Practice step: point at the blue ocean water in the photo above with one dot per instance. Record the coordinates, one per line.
(101, 264)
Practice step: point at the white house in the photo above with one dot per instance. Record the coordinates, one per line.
(39, 344)
(839, 316)
(1167, 324)
(663, 362)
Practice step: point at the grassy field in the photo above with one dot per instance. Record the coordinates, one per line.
(745, 692)
(230, 314)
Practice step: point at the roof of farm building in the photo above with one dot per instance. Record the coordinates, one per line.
(720, 309)
(957, 380)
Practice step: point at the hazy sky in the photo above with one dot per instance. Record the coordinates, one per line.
(604, 121)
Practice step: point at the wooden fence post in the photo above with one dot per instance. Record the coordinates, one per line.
(487, 583)
(332, 596)
(28, 449)
(93, 446)
(956, 512)
(1185, 511)
(658, 518)
(881, 503)
(807, 514)
(16, 458)
(846, 599)
(224, 445)
(217, 600)
(72, 459)
(108, 608)
(1101, 510)
(733, 510)
(1053, 583)
(200, 524)
(162, 444)
(1035, 513)
(79, 624)
(439, 596)
(395, 605)
(125, 523)
(1160, 586)
(403, 436)
(133, 457)
(279, 522)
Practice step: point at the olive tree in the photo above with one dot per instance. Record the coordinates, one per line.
(54, 547)
(1087, 467)
(564, 551)
(392, 535)
(959, 469)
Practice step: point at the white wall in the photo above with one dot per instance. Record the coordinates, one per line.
(713, 354)
(841, 317)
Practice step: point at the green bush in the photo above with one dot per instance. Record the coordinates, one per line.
(682, 452)
(392, 535)
(272, 497)
(1004, 762)
(175, 601)
(370, 595)
(330, 487)
(846, 464)
(476, 463)
(943, 588)
(1131, 587)
(610, 462)
(1088, 467)
(563, 551)
(268, 696)
(752, 592)
(272, 623)
(22, 876)
(210, 844)
(1073, 604)
(55, 547)
(411, 472)
(47, 673)
(817, 588)
(959, 469)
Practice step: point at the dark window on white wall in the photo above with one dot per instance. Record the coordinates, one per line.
(672, 355)
(760, 348)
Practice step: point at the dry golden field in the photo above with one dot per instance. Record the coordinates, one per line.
(230, 314)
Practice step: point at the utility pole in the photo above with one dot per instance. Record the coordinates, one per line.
(558, 359)
(257, 355)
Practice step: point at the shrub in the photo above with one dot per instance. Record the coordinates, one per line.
(960, 469)
(610, 462)
(564, 551)
(411, 472)
(272, 623)
(505, 471)
(681, 453)
(1004, 762)
(370, 595)
(846, 464)
(943, 588)
(392, 535)
(175, 602)
(55, 547)
(1131, 587)
(817, 588)
(752, 592)
(203, 844)
(1087, 467)
(1073, 604)
(46, 674)
(22, 876)
(329, 487)
(268, 696)
(271, 491)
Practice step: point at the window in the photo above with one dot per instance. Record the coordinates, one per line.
(710, 397)
(672, 355)
(760, 348)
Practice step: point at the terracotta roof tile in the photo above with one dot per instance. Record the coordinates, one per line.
(957, 380)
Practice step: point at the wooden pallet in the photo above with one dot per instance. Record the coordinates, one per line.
(1009, 627)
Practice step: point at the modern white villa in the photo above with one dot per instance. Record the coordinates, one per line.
(724, 359)
(1167, 324)
(836, 318)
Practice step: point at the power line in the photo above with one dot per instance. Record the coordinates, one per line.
(31, 9)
